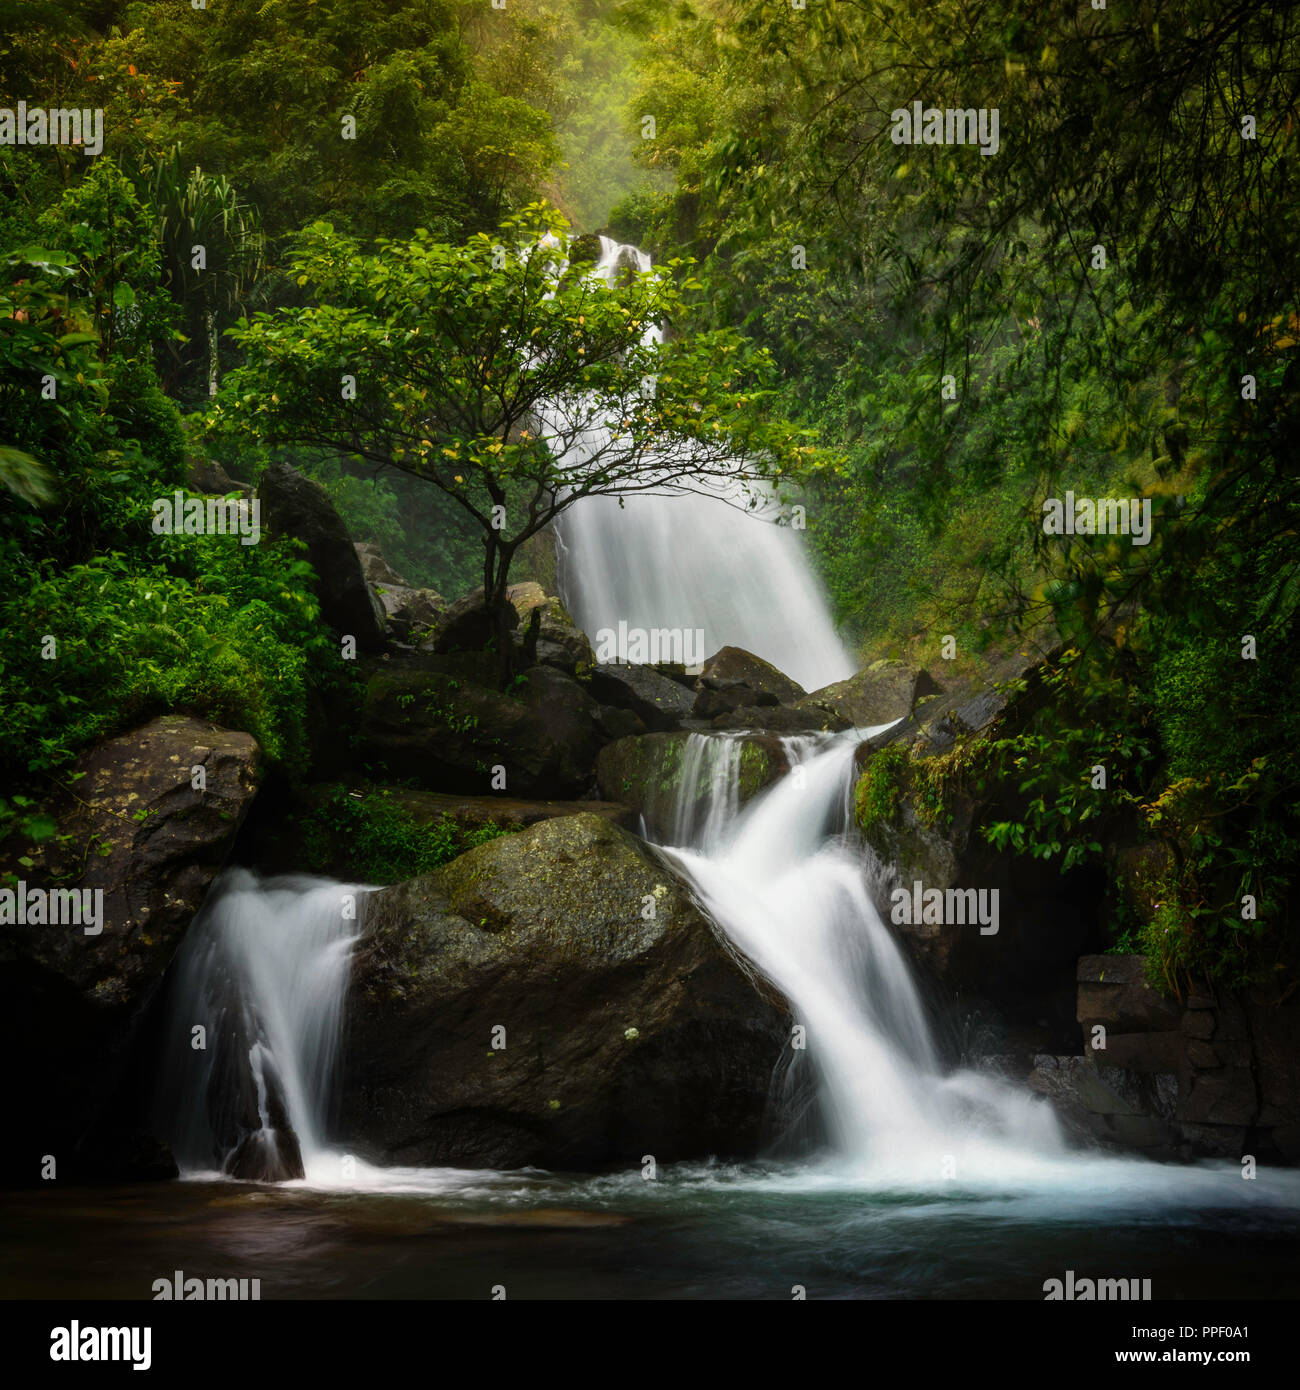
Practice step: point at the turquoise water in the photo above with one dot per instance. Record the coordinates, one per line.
(694, 1232)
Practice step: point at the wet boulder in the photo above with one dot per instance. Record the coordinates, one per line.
(524, 1005)
(659, 702)
(734, 669)
(885, 691)
(450, 732)
(142, 834)
(666, 778)
(297, 506)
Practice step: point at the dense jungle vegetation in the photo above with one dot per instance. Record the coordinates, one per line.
(1107, 305)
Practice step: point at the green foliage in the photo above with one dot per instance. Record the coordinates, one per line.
(212, 252)
(25, 477)
(461, 353)
(109, 235)
(226, 632)
(879, 791)
(1087, 718)
(376, 839)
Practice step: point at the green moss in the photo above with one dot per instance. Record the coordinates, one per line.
(375, 839)
(878, 797)
(755, 770)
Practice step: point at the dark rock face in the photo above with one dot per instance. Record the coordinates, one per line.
(629, 1029)
(1213, 1076)
(710, 704)
(294, 505)
(1046, 919)
(650, 772)
(411, 612)
(376, 569)
(166, 841)
(448, 731)
(660, 703)
(780, 720)
(89, 993)
(113, 1154)
(468, 625)
(568, 721)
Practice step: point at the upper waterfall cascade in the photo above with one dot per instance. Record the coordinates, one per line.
(697, 562)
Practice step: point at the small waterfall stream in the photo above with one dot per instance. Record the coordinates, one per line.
(256, 1006)
(786, 883)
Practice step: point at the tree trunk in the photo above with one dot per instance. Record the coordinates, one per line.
(213, 365)
(496, 580)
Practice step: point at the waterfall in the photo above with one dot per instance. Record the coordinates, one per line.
(786, 883)
(697, 562)
(256, 1003)
(258, 988)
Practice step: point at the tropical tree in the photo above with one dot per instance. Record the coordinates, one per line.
(512, 383)
(212, 246)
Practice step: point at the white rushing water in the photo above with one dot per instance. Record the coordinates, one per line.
(697, 562)
(790, 893)
(265, 967)
(263, 972)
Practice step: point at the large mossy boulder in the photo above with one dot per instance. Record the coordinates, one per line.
(883, 692)
(667, 781)
(150, 819)
(554, 998)
(297, 506)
